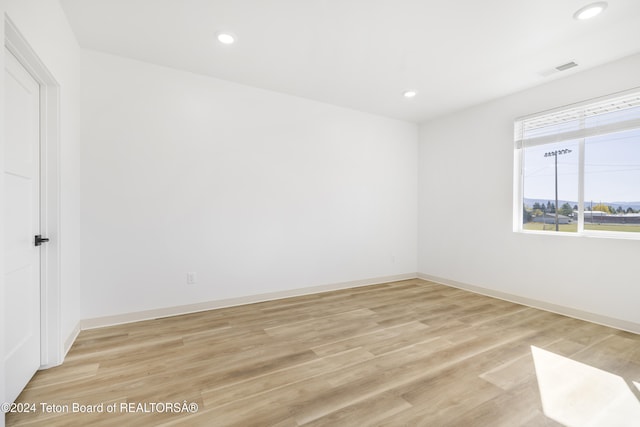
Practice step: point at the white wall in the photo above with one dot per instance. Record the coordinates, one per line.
(466, 199)
(2, 323)
(45, 27)
(255, 191)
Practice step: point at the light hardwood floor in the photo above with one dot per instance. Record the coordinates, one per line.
(409, 353)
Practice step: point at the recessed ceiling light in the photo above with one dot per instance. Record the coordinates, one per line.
(226, 38)
(409, 93)
(590, 10)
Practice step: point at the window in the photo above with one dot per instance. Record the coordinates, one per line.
(578, 168)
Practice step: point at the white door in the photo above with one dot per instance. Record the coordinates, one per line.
(22, 223)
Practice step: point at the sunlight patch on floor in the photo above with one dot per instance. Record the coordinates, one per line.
(575, 394)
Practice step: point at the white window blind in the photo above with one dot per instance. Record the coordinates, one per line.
(591, 118)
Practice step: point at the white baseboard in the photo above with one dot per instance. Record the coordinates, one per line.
(71, 339)
(542, 305)
(67, 346)
(99, 322)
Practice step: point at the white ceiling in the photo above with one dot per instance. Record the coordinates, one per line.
(363, 54)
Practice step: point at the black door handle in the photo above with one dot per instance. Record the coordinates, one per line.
(38, 240)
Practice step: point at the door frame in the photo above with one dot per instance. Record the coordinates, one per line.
(51, 345)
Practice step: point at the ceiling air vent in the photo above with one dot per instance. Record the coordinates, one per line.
(566, 66)
(554, 70)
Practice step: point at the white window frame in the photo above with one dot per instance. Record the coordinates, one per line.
(518, 189)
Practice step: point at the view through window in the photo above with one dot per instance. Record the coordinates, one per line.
(580, 168)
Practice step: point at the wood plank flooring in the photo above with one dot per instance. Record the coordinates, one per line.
(409, 353)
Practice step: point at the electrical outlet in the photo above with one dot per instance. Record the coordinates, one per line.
(192, 278)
